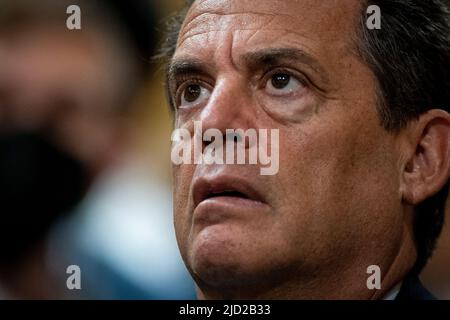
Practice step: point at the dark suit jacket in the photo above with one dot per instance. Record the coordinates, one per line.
(412, 289)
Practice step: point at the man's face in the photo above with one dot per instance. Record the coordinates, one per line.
(334, 207)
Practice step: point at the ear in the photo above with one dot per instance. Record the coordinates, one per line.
(428, 164)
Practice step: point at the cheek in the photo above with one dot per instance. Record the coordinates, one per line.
(182, 176)
(337, 181)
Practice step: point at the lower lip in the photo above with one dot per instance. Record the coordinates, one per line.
(216, 209)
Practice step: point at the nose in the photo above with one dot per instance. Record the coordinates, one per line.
(229, 107)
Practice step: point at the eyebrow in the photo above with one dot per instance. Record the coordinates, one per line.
(186, 66)
(274, 56)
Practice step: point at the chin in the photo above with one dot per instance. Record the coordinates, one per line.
(219, 257)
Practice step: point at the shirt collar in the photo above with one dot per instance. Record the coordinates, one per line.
(392, 294)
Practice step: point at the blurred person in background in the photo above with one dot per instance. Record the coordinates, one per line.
(66, 100)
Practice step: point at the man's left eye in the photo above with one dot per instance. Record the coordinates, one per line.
(281, 84)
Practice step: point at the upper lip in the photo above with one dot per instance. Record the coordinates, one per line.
(205, 188)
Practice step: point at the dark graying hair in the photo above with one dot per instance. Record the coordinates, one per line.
(410, 57)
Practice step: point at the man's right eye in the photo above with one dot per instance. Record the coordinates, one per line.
(193, 95)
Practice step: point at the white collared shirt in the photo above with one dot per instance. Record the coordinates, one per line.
(392, 294)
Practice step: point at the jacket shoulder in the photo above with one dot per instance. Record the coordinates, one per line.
(412, 289)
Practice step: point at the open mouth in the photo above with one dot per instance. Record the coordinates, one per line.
(231, 193)
(222, 187)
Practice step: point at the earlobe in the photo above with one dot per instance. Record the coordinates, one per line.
(428, 167)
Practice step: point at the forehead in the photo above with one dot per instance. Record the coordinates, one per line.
(319, 24)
